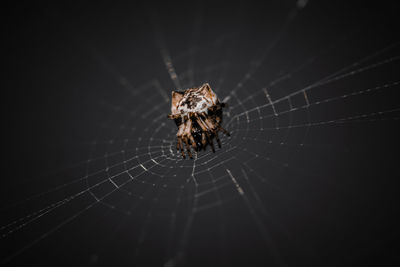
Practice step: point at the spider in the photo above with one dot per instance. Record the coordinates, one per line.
(197, 113)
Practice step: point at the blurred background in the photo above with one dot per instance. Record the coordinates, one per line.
(90, 174)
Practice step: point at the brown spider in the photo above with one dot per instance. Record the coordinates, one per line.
(198, 114)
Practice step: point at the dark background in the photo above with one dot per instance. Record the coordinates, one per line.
(71, 68)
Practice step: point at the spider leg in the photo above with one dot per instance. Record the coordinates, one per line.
(177, 144)
(180, 145)
(210, 141)
(203, 140)
(182, 135)
(217, 137)
(204, 130)
(206, 138)
(210, 129)
(193, 142)
(223, 130)
(187, 147)
(186, 131)
(207, 122)
(189, 132)
(204, 126)
(215, 132)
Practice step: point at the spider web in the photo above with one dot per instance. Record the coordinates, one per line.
(288, 113)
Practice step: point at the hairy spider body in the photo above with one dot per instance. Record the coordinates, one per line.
(197, 113)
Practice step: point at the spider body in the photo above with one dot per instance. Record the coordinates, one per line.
(197, 113)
